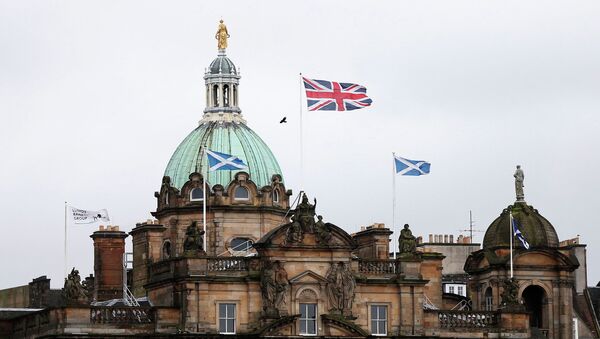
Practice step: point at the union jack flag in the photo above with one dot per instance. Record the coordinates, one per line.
(324, 95)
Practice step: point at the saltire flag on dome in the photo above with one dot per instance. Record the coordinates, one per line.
(218, 161)
(325, 95)
(80, 216)
(411, 167)
(518, 234)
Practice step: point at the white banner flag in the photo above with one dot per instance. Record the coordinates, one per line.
(87, 217)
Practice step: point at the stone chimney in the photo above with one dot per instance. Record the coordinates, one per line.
(147, 249)
(373, 242)
(109, 247)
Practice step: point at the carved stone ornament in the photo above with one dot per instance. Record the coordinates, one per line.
(303, 221)
(407, 242)
(340, 289)
(274, 286)
(73, 291)
(510, 293)
(194, 240)
(322, 231)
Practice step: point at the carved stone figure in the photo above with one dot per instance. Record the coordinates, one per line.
(322, 231)
(303, 221)
(73, 290)
(274, 286)
(340, 289)
(222, 35)
(519, 178)
(407, 241)
(294, 233)
(305, 214)
(509, 294)
(194, 240)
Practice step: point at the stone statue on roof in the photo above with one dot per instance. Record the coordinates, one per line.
(519, 177)
(222, 35)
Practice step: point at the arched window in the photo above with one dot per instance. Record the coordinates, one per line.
(226, 95)
(241, 193)
(489, 299)
(241, 244)
(166, 250)
(216, 95)
(275, 196)
(235, 99)
(197, 194)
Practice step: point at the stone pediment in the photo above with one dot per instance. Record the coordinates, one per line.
(308, 277)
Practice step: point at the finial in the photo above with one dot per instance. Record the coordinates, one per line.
(519, 177)
(222, 36)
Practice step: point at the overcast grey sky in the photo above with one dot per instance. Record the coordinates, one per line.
(96, 95)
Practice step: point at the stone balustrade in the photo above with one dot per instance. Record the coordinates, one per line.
(378, 267)
(467, 319)
(227, 264)
(121, 315)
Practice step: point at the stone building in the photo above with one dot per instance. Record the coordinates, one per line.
(236, 253)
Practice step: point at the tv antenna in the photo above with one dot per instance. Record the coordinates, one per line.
(471, 230)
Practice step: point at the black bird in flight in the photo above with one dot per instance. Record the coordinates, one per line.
(283, 121)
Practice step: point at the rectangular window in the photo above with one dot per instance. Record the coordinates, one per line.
(227, 318)
(378, 319)
(308, 319)
(451, 289)
(461, 290)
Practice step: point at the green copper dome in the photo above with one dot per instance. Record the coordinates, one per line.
(227, 137)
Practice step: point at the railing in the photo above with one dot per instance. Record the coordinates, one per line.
(121, 315)
(227, 264)
(467, 319)
(381, 266)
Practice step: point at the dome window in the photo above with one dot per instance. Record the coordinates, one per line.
(241, 244)
(197, 194)
(241, 193)
(216, 95)
(276, 196)
(226, 95)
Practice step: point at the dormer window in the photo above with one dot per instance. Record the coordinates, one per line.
(197, 194)
(241, 193)
(276, 196)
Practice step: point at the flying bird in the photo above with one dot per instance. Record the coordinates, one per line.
(283, 121)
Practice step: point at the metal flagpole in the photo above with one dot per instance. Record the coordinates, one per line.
(204, 198)
(65, 259)
(394, 202)
(511, 244)
(301, 140)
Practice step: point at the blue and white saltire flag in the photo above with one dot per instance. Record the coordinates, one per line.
(518, 234)
(411, 167)
(220, 161)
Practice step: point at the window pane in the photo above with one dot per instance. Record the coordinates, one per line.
(311, 327)
(383, 312)
(222, 327)
(222, 311)
(197, 194)
(241, 193)
(231, 311)
(374, 327)
(312, 311)
(302, 326)
(303, 311)
(230, 325)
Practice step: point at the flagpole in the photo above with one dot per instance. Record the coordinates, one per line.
(65, 258)
(301, 140)
(204, 200)
(510, 218)
(394, 202)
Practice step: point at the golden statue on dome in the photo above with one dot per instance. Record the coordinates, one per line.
(222, 35)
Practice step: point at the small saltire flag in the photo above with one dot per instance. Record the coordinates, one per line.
(411, 167)
(518, 234)
(80, 216)
(325, 95)
(220, 161)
